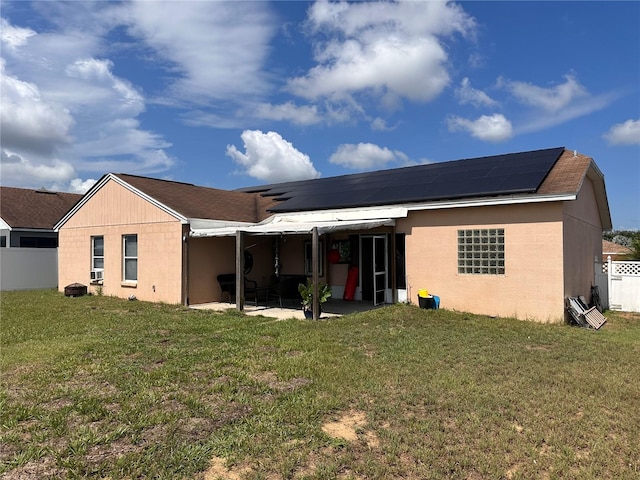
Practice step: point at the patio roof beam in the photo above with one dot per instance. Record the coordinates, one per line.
(240, 270)
(315, 273)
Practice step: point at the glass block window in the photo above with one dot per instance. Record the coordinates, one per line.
(130, 258)
(481, 251)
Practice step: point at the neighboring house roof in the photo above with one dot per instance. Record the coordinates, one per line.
(610, 248)
(22, 208)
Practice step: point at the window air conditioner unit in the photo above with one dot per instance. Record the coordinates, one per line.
(96, 275)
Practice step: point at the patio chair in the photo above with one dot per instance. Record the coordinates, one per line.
(227, 283)
(584, 315)
(285, 287)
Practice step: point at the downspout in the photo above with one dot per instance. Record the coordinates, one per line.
(185, 264)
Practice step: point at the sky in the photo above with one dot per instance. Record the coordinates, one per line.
(236, 94)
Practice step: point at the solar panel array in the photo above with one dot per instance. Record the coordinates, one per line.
(475, 177)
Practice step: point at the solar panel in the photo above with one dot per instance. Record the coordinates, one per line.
(476, 177)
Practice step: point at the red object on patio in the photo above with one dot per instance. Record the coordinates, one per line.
(352, 283)
(334, 255)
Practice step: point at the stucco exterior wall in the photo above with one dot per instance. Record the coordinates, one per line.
(113, 212)
(532, 286)
(209, 257)
(582, 241)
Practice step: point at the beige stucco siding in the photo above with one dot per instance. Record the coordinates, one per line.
(532, 286)
(112, 212)
(209, 257)
(582, 241)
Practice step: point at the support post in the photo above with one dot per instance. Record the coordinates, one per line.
(314, 270)
(240, 270)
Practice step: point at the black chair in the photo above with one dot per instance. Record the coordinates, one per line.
(285, 287)
(227, 283)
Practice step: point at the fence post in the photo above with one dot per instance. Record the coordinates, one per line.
(609, 266)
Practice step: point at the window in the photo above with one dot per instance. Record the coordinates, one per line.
(97, 253)
(481, 251)
(308, 263)
(38, 242)
(130, 258)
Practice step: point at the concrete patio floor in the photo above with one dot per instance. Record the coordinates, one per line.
(332, 308)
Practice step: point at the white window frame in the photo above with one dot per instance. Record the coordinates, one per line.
(481, 251)
(95, 257)
(129, 258)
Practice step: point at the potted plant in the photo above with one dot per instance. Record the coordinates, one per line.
(306, 292)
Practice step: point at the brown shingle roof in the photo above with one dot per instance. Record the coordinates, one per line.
(567, 174)
(193, 201)
(614, 248)
(39, 209)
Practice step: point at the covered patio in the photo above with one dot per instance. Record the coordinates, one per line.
(316, 227)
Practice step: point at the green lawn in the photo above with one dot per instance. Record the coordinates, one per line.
(106, 388)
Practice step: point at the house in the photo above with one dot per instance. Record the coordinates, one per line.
(28, 240)
(506, 235)
(615, 251)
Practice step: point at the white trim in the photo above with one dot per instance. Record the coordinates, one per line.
(204, 223)
(150, 199)
(485, 202)
(101, 183)
(279, 226)
(4, 225)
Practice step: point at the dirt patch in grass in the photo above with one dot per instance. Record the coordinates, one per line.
(271, 380)
(218, 470)
(43, 468)
(99, 454)
(349, 426)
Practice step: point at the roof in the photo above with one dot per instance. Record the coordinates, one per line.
(508, 174)
(553, 174)
(34, 209)
(187, 201)
(611, 248)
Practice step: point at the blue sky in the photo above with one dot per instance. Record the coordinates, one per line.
(233, 94)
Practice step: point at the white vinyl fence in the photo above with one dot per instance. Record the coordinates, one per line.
(619, 284)
(28, 268)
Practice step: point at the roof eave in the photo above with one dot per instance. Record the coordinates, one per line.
(101, 183)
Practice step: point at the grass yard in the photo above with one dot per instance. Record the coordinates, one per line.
(105, 388)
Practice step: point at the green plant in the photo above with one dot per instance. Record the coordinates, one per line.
(306, 292)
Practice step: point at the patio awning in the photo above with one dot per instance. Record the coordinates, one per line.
(280, 226)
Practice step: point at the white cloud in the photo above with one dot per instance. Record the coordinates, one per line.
(305, 115)
(77, 185)
(489, 128)
(18, 171)
(627, 133)
(14, 37)
(550, 99)
(270, 158)
(467, 94)
(380, 125)
(391, 50)
(29, 122)
(216, 50)
(365, 156)
(59, 101)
